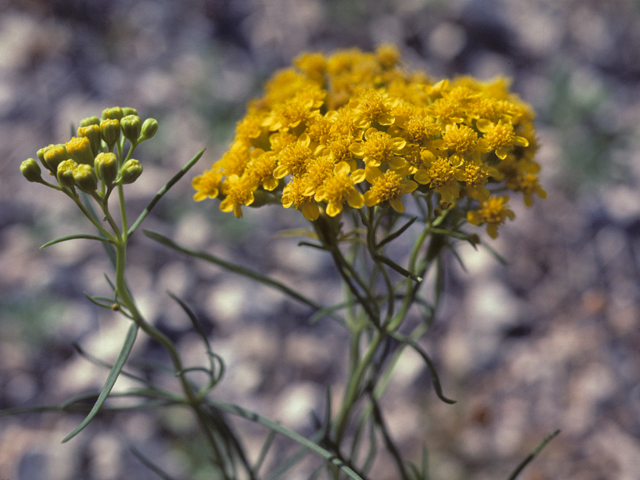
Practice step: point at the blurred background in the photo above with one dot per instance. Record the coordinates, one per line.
(550, 340)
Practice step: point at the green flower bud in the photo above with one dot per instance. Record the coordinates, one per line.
(54, 155)
(80, 150)
(85, 178)
(40, 154)
(92, 132)
(65, 173)
(126, 111)
(31, 170)
(149, 129)
(110, 130)
(114, 113)
(131, 127)
(130, 172)
(85, 122)
(107, 167)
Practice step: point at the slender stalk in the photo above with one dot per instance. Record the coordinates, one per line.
(127, 300)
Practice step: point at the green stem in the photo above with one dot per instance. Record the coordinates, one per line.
(127, 300)
(353, 387)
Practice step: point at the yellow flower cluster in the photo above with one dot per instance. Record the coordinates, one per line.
(356, 129)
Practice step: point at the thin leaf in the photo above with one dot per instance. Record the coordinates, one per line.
(397, 233)
(432, 369)
(164, 190)
(150, 465)
(76, 236)
(533, 455)
(326, 311)
(95, 301)
(111, 380)
(402, 271)
(296, 437)
(245, 272)
(264, 450)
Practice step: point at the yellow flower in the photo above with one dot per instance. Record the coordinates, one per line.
(259, 170)
(389, 186)
(527, 184)
(378, 148)
(295, 111)
(294, 193)
(319, 169)
(387, 55)
(238, 192)
(341, 188)
(475, 177)
(293, 158)
(372, 106)
(207, 185)
(441, 176)
(459, 138)
(493, 212)
(500, 137)
(233, 162)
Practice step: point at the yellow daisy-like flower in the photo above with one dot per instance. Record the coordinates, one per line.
(493, 212)
(372, 106)
(341, 188)
(387, 187)
(238, 192)
(293, 158)
(500, 137)
(441, 176)
(378, 148)
(459, 138)
(259, 170)
(207, 185)
(294, 193)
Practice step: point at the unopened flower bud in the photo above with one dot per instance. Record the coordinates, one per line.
(85, 178)
(130, 171)
(92, 132)
(65, 173)
(113, 113)
(149, 129)
(85, 122)
(129, 111)
(110, 130)
(54, 155)
(31, 170)
(131, 127)
(107, 167)
(40, 154)
(80, 150)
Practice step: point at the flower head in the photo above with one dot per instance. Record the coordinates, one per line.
(354, 130)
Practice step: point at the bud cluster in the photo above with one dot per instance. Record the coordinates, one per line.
(89, 157)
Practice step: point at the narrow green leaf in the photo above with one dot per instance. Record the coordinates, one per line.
(76, 236)
(397, 233)
(264, 450)
(245, 272)
(164, 190)
(432, 369)
(95, 301)
(296, 437)
(150, 465)
(111, 380)
(533, 455)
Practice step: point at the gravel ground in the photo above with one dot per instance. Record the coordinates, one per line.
(549, 341)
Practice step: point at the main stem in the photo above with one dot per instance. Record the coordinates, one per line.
(127, 300)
